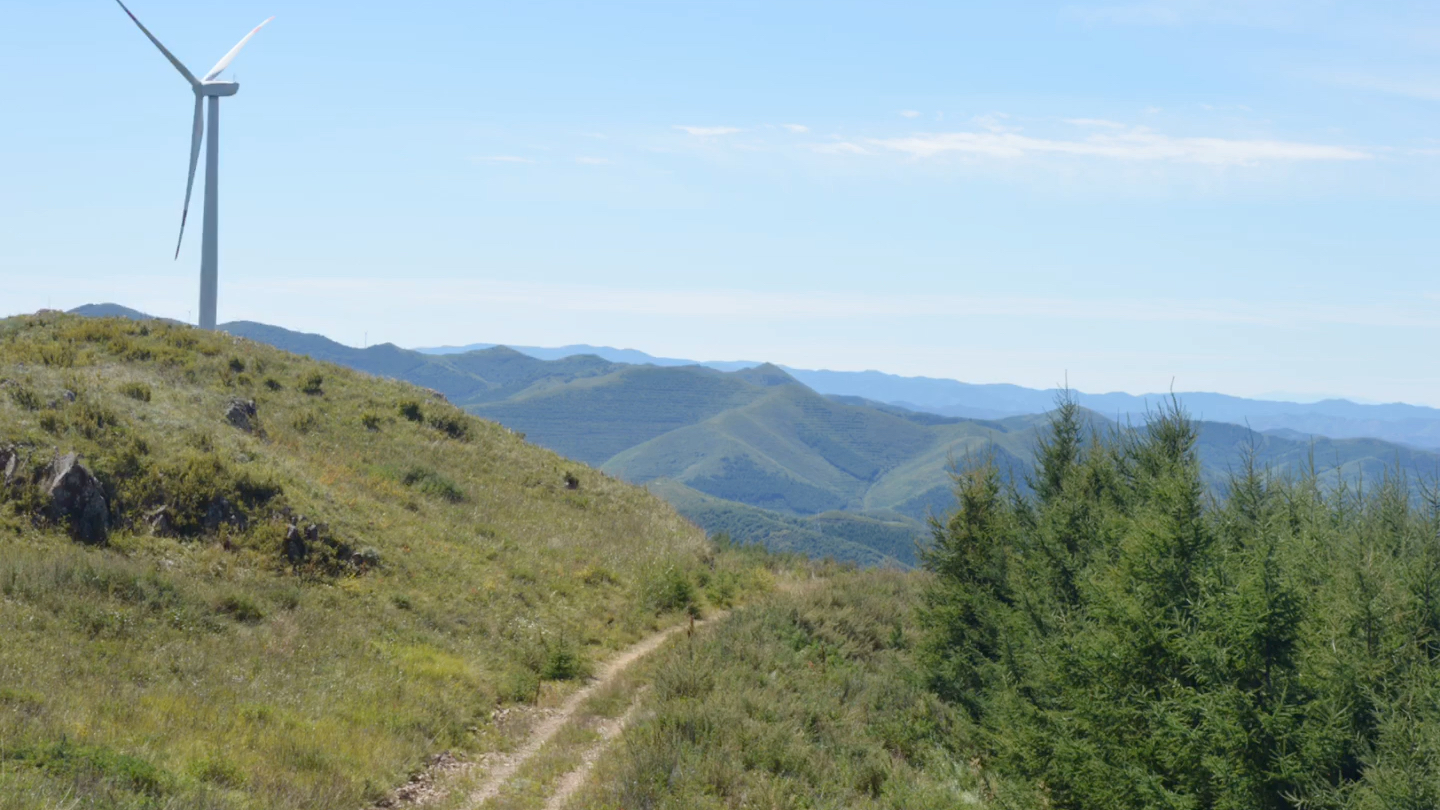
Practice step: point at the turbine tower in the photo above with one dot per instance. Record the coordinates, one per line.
(207, 90)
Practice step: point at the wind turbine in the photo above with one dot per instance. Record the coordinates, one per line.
(205, 88)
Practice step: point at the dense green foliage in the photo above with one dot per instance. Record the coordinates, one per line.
(1124, 640)
(200, 655)
(810, 699)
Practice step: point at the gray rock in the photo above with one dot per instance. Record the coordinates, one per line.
(221, 512)
(241, 414)
(295, 547)
(77, 497)
(160, 522)
(67, 395)
(10, 464)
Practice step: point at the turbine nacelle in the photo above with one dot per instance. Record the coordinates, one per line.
(217, 89)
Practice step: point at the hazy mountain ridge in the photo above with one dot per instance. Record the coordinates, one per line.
(757, 453)
(1416, 425)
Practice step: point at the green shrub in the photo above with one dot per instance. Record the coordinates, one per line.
(217, 770)
(305, 421)
(25, 397)
(669, 590)
(371, 421)
(452, 425)
(136, 390)
(410, 409)
(272, 384)
(241, 608)
(236, 365)
(433, 483)
(313, 384)
(563, 661)
(78, 761)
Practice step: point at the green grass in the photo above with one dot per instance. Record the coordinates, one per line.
(203, 655)
(809, 699)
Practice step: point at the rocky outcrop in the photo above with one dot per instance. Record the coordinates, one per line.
(77, 498)
(241, 413)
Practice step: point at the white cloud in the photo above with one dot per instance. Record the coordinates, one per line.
(594, 161)
(1135, 144)
(796, 127)
(839, 148)
(910, 113)
(707, 132)
(502, 159)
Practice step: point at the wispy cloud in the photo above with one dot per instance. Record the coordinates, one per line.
(839, 148)
(1132, 144)
(909, 113)
(796, 127)
(594, 161)
(502, 159)
(708, 132)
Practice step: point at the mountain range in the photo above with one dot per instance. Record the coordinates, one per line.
(755, 451)
(1337, 418)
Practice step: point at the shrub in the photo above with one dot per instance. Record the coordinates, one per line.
(313, 384)
(669, 590)
(79, 762)
(451, 425)
(272, 384)
(138, 391)
(240, 608)
(371, 421)
(410, 409)
(305, 422)
(433, 483)
(562, 662)
(236, 365)
(25, 397)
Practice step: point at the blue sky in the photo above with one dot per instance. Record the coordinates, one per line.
(1236, 196)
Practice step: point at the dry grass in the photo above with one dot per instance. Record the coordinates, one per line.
(236, 679)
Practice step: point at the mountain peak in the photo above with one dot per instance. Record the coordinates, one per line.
(766, 374)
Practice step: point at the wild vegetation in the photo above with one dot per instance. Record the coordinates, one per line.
(303, 582)
(812, 698)
(1121, 639)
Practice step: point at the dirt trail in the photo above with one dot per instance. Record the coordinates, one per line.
(507, 766)
(576, 779)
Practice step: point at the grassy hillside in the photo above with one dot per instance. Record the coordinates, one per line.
(184, 646)
(812, 699)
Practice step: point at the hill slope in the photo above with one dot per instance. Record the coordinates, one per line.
(293, 606)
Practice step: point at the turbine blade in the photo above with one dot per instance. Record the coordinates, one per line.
(195, 137)
(234, 52)
(184, 71)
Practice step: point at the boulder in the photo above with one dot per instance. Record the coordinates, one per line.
(241, 414)
(160, 522)
(221, 512)
(11, 465)
(77, 497)
(295, 547)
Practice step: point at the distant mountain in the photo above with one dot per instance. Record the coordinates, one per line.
(1414, 425)
(631, 356)
(759, 454)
